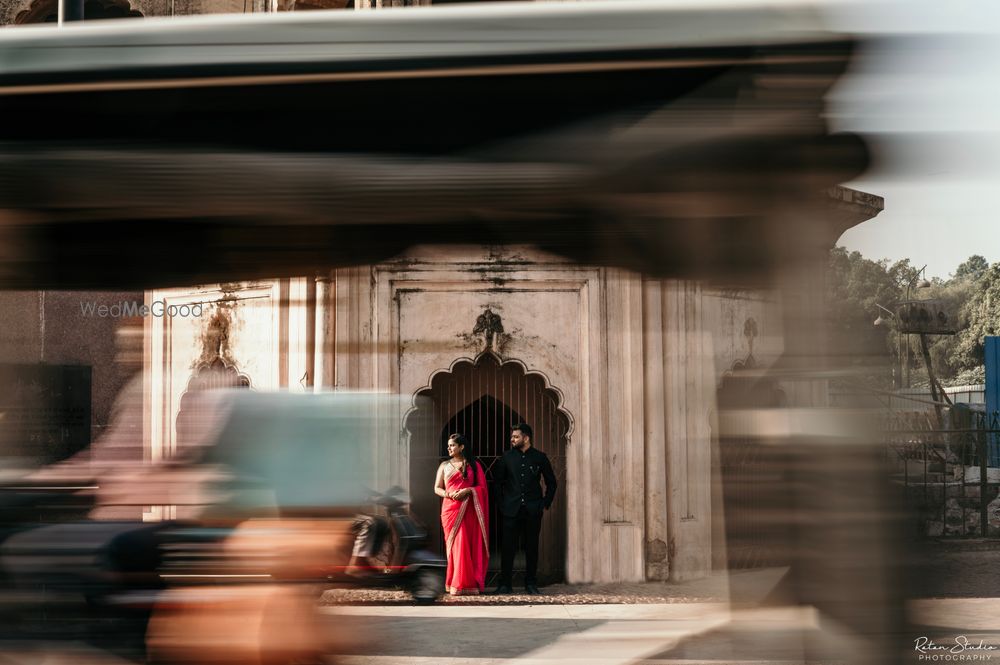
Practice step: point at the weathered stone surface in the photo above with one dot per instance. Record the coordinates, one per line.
(50, 327)
(993, 517)
(10, 9)
(16, 12)
(635, 364)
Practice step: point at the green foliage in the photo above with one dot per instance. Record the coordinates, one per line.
(857, 286)
(972, 268)
(948, 361)
(980, 315)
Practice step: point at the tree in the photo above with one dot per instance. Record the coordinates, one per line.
(856, 287)
(954, 363)
(953, 295)
(972, 268)
(981, 316)
(958, 359)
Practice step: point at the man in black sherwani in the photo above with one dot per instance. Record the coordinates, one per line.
(519, 494)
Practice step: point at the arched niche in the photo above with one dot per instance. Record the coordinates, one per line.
(483, 398)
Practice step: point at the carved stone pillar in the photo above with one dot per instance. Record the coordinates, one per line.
(618, 462)
(689, 404)
(657, 565)
(325, 324)
(354, 320)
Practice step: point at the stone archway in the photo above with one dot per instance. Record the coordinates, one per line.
(194, 419)
(482, 398)
(47, 11)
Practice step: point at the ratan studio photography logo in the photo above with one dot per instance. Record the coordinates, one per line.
(121, 310)
(960, 650)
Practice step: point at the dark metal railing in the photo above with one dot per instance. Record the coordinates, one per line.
(944, 468)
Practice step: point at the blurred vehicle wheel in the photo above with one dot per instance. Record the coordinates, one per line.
(428, 586)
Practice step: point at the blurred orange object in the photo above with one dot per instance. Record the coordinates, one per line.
(291, 549)
(252, 613)
(245, 624)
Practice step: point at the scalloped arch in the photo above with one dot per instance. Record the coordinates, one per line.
(525, 370)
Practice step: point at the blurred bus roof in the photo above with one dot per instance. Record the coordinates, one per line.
(404, 42)
(675, 138)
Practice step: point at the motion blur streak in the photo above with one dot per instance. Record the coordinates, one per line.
(649, 152)
(635, 134)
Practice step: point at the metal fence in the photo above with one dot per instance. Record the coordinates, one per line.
(944, 461)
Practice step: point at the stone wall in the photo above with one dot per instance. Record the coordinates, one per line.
(635, 364)
(51, 327)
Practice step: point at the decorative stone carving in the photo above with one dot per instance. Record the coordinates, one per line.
(750, 332)
(490, 326)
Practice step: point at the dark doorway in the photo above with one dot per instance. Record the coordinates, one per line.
(482, 399)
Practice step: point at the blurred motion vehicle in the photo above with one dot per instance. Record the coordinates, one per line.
(673, 143)
(395, 549)
(256, 515)
(678, 139)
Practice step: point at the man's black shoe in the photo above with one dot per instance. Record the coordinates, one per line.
(531, 590)
(501, 590)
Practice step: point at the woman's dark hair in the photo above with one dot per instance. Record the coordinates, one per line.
(470, 459)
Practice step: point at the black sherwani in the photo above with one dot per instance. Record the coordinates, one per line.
(517, 479)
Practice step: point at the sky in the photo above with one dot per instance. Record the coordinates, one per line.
(928, 100)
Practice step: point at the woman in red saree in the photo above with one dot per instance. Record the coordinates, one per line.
(461, 482)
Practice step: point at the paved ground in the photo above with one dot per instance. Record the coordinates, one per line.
(958, 607)
(962, 570)
(586, 634)
(651, 634)
(652, 624)
(716, 588)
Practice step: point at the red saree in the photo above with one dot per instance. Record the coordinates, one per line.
(466, 527)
